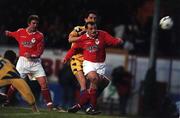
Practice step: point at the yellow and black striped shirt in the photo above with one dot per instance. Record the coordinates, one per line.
(7, 70)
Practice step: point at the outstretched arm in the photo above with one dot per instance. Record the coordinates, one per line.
(70, 52)
(110, 40)
(11, 34)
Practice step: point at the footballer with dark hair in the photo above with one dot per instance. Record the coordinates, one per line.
(31, 47)
(92, 44)
(10, 76)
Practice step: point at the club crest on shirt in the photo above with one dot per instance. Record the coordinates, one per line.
(96, 41)
(33, 40)
(30, 43)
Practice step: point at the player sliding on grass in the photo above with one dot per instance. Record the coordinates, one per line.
(10, 76)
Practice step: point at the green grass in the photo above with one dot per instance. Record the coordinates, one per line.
(19, 112)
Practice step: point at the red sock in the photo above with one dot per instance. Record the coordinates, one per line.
(10, 92)
(47, 97)
(93, 97)
(84, 97)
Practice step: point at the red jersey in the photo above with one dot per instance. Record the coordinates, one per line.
(32, 43)
(93, 49)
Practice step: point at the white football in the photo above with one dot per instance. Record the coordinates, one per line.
(166, 23)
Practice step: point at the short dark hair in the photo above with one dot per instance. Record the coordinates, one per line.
(11, 56)
(90, 12)
(32, 17)
(89, 23)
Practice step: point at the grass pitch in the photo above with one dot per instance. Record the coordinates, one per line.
(20, 112)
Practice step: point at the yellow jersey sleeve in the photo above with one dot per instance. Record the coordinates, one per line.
(76, 30)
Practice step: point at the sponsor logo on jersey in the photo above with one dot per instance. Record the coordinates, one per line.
(29, 44)
(93, 48)
(23, 36)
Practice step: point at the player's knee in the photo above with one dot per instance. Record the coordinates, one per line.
(94, 80)
(43, 85)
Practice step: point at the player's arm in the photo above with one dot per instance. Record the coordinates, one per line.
(110, 40)
(71, 52)
(73, 36)
(73, 39)
(11, 34)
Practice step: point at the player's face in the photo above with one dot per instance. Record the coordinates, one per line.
(91, 18)
(92, 30)
(33, 25)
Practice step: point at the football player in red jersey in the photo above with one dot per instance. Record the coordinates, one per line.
(92, 44)
(31, 47)
(77, 61)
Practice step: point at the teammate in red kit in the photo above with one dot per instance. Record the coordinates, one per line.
(31, 47)
(77, 61)
(92, 44)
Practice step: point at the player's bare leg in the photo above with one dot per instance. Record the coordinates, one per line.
(45, 91)
(46, 94)
(81, 79)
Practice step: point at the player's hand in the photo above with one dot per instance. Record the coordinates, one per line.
(79, 31)
(120, 39)
(6, 33)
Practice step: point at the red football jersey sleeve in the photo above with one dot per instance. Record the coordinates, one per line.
(29, 43)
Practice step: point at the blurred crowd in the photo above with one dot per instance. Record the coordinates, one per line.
(58, 17)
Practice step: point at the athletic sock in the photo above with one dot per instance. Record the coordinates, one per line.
(47, 97)
(93, 97)
(10, 93)
(84, 97)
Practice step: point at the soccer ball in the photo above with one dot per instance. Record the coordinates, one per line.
(166, 23)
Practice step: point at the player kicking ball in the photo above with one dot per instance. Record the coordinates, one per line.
(92, 44)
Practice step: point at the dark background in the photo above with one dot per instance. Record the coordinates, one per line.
(58, 17)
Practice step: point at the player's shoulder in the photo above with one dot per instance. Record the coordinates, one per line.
(40, 33)
(21, 29)
(102, 32)
(79, 28)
